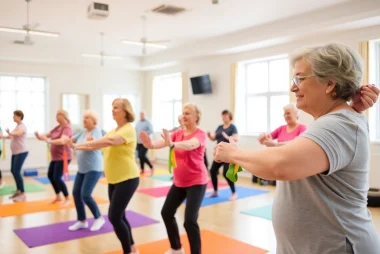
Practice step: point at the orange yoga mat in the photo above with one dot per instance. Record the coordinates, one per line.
(147, 173)
(21, 208)
(211, 243)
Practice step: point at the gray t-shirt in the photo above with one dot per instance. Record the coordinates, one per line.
(327, 213)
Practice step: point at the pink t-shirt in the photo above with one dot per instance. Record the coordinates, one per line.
(282, 135)
(18, 143)
(191, 169)
(57, 150)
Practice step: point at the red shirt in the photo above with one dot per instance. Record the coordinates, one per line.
(191, 169)
(57, 150)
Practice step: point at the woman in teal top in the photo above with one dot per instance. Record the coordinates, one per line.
(90, 169)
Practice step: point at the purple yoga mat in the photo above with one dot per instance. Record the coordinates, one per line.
(59, 232)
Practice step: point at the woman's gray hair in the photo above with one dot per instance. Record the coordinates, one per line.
(292, 107)
(91, 114)
(335, 62)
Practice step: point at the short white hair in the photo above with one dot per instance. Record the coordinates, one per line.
(91, 114)
(292, 107)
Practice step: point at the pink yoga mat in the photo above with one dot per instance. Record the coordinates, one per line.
(159, 192)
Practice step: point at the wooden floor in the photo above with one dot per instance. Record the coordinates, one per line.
(224, 218)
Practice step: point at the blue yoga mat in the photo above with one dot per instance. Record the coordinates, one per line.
(45, 180)
(224, 195)
(264, 212)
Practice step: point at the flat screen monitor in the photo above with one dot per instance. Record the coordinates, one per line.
(201, 84)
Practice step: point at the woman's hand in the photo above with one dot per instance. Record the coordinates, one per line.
(365, 98)
(223, 152)
(262, 138)
(69, 142)
(166, 136)
(9, 133)
(145, 140)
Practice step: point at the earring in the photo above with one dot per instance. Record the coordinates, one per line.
(334, 94)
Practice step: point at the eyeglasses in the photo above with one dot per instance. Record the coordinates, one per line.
(297, 80)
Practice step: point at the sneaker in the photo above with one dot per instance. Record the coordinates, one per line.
(98, 224)
(171, 251)
(2, 184)
(78, 225)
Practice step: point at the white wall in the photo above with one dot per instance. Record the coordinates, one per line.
(219, 70)
(94, 81)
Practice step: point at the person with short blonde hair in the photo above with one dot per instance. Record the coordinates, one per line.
(321, 202)
(57, 139)
(190, 177)
(120, 168)
(90, 169)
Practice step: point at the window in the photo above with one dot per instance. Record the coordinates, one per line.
(374, 78)
(262, 90)
(166, 101)
(27, 94)
(108, 122)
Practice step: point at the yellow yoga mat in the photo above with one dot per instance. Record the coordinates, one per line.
(21, 208)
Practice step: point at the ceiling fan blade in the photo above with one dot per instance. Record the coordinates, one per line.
(159, 42)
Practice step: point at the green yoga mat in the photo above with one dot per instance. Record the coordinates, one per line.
(8, 190)
(166, 178)
(264, 212)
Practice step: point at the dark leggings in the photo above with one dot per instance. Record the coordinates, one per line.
(16, 165)
(194, 196)
(119, 195)
(214, 175)
(142, 150)
(55, 174)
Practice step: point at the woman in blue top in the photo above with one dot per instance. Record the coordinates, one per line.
(90, 168)
(222, 134)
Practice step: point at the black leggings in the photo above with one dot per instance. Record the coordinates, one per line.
(119, 195)
(194, 196)
(214, 175)
(142, 150)
(55, 174)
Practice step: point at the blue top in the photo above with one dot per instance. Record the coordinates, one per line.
(89, 160)
(229, 131)
(143, 125)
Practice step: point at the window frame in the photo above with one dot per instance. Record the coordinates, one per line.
(374, 78)
(30, 132)
(242, 82)
(172, 101)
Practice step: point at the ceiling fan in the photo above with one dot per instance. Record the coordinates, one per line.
(101, 55)
(144, 41)
(28, 29)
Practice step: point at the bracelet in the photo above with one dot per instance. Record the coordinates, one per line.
(172, 146)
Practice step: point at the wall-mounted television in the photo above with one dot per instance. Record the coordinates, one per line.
(201, 84)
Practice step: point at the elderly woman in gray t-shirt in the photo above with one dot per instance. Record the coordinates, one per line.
(321, 202)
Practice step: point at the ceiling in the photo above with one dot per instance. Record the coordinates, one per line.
(203, 29)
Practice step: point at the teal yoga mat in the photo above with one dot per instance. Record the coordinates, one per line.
(264, 212)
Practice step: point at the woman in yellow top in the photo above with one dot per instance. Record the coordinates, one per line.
(120, 169)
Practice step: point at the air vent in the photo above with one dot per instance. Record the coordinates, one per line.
(168, 9)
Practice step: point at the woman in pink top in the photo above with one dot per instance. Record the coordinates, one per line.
(284, 133)
(57, 140)
(190, 178)
(19, 154)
